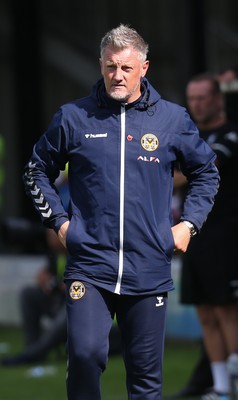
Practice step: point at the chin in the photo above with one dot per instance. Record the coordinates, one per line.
(119, 96)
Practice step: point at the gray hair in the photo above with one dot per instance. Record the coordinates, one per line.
(122, 37)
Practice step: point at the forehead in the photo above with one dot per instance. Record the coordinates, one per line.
(127, 55)
(202, 88)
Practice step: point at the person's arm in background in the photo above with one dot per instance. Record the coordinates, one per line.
(198, 171)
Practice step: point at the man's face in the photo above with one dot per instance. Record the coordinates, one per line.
(122, 71)
(204, 105)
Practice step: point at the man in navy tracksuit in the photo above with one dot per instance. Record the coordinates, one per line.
(121, 143)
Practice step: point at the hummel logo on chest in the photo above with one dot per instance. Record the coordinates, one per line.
(95, 135)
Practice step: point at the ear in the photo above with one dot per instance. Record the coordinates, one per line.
(145, 67)
(100, 63)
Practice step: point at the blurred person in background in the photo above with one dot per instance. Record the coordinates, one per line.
(209, 277)
(42, 309)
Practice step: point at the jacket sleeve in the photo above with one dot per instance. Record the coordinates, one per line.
(47, 160)
(197, 162)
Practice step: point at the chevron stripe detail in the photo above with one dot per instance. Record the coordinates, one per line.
(39, 200)
(43, 208)
(47, 215)
(36, 194)
(42, 204)
(35, 191)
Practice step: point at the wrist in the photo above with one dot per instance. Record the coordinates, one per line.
(192, 228)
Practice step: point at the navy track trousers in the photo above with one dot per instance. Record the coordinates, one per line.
(141, 319)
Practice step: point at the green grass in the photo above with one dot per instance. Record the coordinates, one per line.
(15, 382)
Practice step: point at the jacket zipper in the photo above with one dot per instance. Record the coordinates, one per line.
(122, 195)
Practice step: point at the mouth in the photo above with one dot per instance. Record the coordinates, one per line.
(118, 86)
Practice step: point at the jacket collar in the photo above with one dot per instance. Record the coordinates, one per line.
(149, 96)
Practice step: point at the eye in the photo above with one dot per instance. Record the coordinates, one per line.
(127, 69)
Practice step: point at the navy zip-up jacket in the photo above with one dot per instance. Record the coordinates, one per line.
(120, 168)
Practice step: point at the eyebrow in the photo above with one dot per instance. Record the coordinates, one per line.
(127, 64)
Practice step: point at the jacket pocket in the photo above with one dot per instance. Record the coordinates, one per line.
(73, 236)
(167, 239)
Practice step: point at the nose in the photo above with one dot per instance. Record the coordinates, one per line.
(118, 74)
